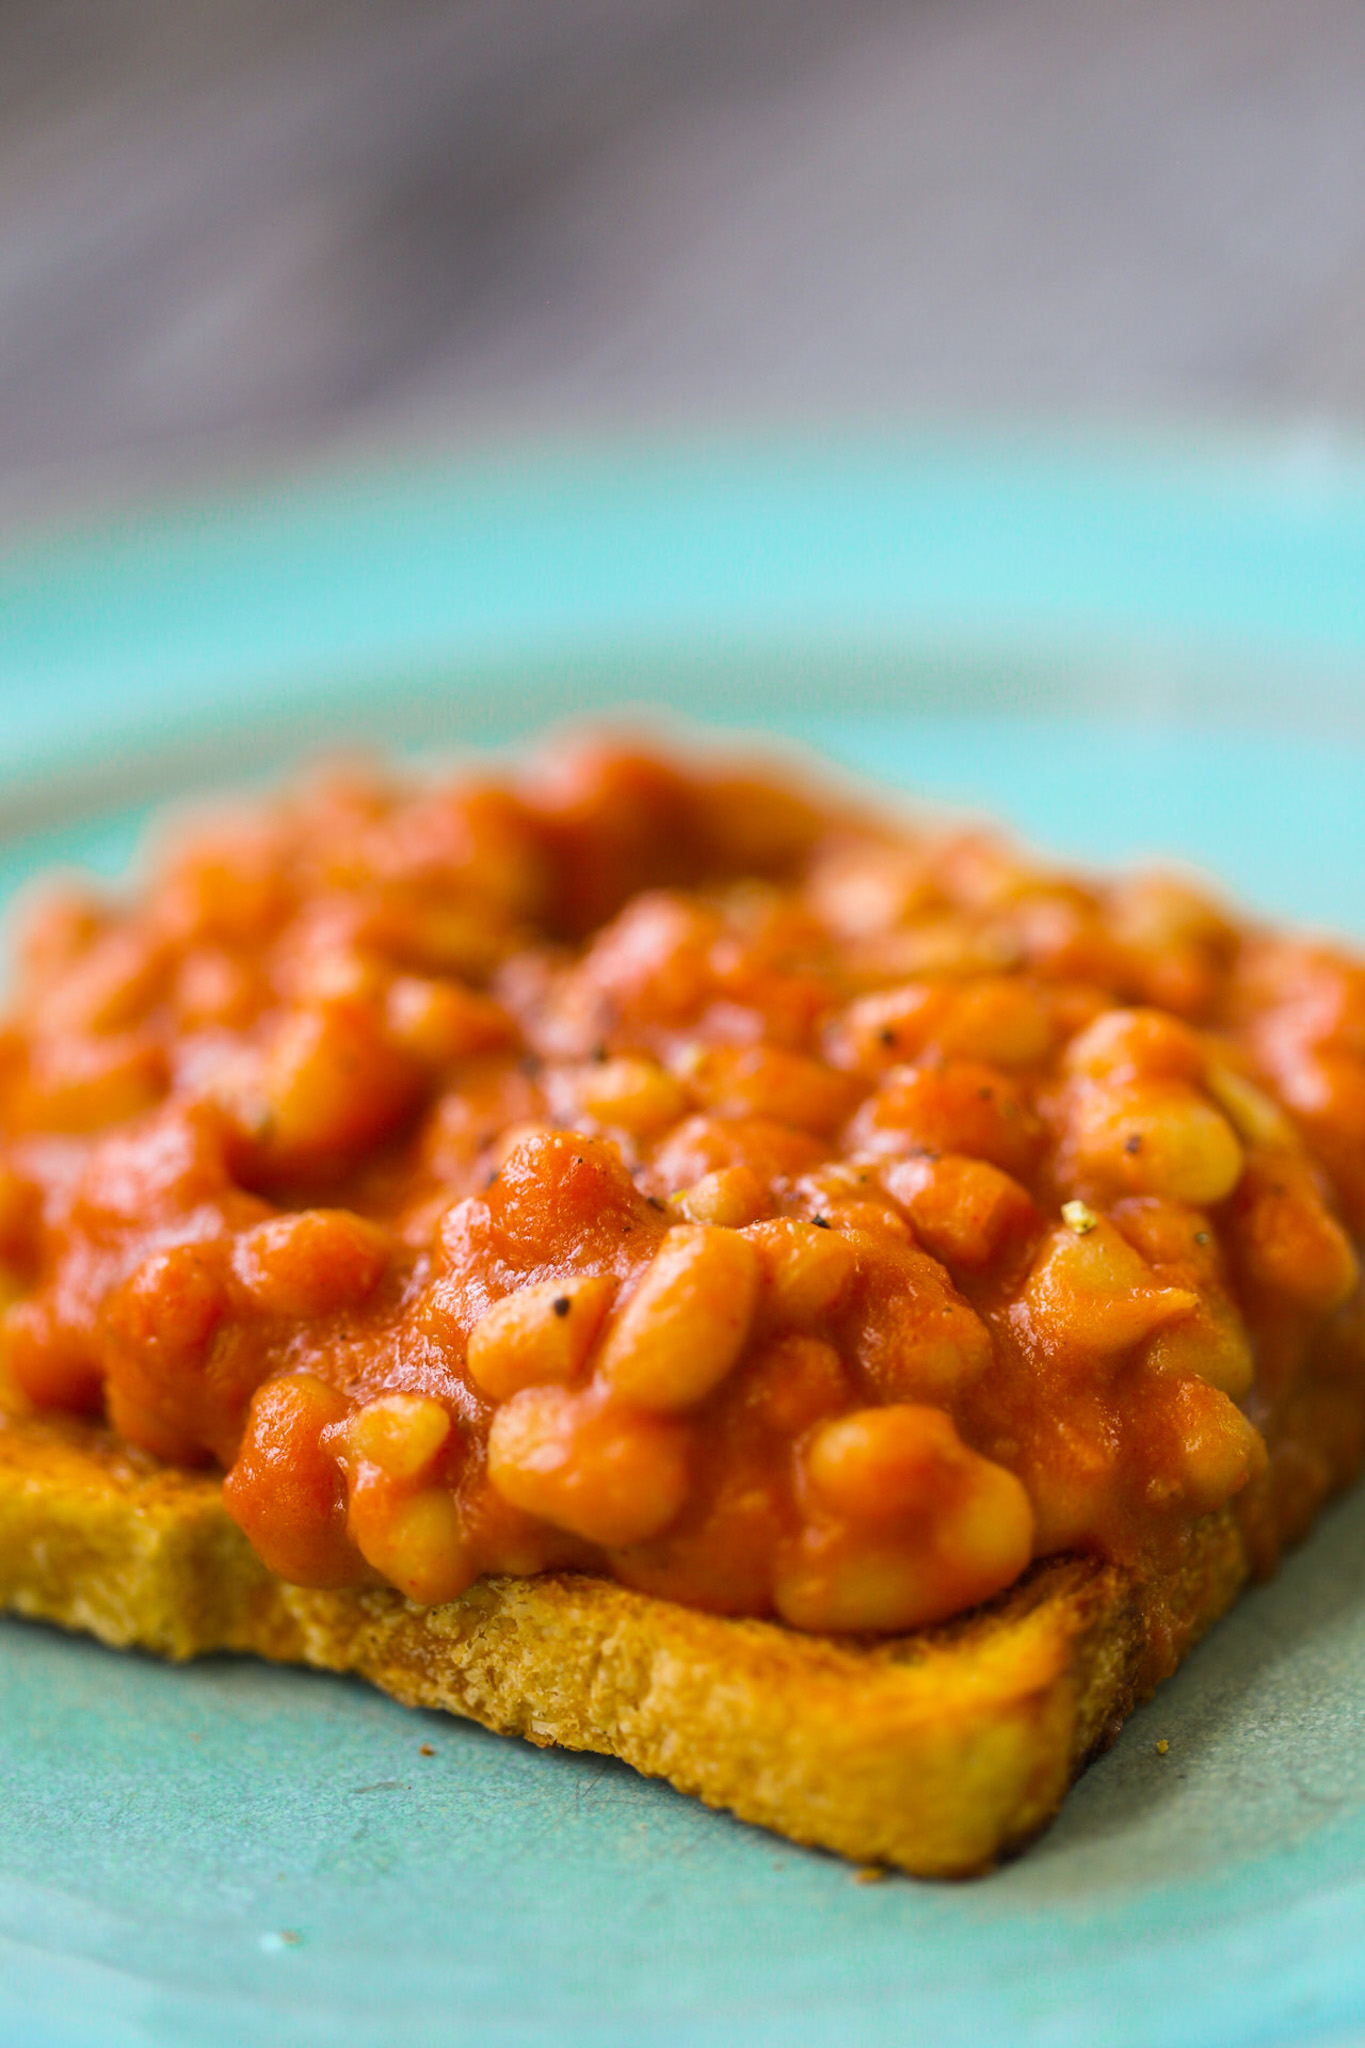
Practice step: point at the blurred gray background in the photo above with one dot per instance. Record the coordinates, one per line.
(245, 236)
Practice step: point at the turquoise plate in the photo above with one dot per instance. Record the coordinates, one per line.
(1121, 654)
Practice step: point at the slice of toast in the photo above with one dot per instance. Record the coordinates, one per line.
(937, 1752)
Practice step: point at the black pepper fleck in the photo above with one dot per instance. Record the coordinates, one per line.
(1133, 1144)
(561, 1304)
(821, 1222)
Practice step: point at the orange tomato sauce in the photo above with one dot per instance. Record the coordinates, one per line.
(648, 1168)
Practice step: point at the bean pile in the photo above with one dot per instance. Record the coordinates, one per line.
(649, 1169)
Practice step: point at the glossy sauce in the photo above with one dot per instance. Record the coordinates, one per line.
(645, 1168)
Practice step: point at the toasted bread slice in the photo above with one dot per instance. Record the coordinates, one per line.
(937, 1752)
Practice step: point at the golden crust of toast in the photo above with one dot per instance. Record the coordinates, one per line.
(936, 1752)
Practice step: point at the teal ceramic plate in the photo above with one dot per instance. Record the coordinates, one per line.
(1120, 655)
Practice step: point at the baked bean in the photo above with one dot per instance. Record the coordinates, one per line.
(213, 987)
(170, 1307)
(540, 1334)
(1321, 1084)
(445, 938)
(1210, 1344)
(1073, 1471)
(948, 947)
(1256, 1119)
(335, 973)
(230, 888)
(965, 1525)
(887, 1029)
(655, 959)
(440, 1023)
(703, 1144)
(684, 1326)
(1154, 1137)
(518, 1138)
(1062, 933)
(400, 1433)
(806, 1270)
(838, 1182)
(963, 1210)
(617, 822)
(54, 929)
(769, 1082)
(50, 1364)
(285, 1489)
(1286, 1239)
(980, 870)
(999, 1019)
(1088, 1293)
(1211, 1448)
(416, 1540)
(912, 1334)
(1158, 911)
(733, 1196)
(756, 825)
(312, 1262)
(493, 1096)
(1183, 1250)
(612, 1474)
(634, 1094)
(1326, 1092)
(1125, 1045)
(118, 977)
(179, 1371)
(80, 1085)
(832, 1581)
(1179, 938)
(958, 1107)
(560, 1197)
(860, 887)
(879, 1463)
(866, 1217)
(476, 841)
(1171, 1236)
(331, 1086)
(995, 1018)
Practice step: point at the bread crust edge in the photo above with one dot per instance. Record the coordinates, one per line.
(936, 1753)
